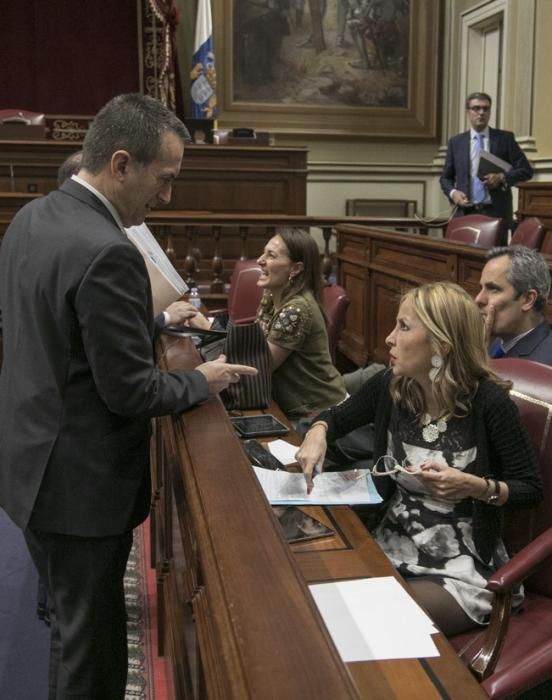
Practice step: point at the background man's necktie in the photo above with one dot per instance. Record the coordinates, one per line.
(478, 188)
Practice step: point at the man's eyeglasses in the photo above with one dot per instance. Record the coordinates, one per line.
(480, 108)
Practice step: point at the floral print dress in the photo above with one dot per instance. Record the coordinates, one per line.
(427, 536)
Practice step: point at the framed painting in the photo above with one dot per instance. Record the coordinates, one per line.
(329, 67)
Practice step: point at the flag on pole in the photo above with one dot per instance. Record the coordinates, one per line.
(203, 73)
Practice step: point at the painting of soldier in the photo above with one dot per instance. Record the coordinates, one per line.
(321, 52)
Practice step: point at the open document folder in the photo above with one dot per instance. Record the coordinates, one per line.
(374, 618)
(166, 284)
(352, 487)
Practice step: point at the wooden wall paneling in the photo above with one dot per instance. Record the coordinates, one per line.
(180, 641)
(386, 291)
(469, 273)
(393, 262)
(402, 256)
(535, 199)
(212, 178)
(10, 203)
(356, 280)
(163, 523)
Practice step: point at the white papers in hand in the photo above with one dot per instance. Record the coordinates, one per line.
(283, 450)
(374, 618)
(166, 284)
(330, 488)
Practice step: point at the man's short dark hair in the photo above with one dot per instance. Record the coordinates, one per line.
(477, 96)
(528, 270)
(70, 166)
(133, 123)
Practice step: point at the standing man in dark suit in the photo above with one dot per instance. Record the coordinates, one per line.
(79, 385)
(491, 196)
(515, 286)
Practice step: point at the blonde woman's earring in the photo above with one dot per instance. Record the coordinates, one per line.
(436, 364)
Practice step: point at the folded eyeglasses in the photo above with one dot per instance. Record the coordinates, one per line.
(386, 465)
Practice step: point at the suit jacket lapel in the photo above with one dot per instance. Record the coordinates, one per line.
(466, 155)
(493, 141)
(527, 344)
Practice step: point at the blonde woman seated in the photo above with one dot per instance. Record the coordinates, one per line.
(451, 438)
(304, 380)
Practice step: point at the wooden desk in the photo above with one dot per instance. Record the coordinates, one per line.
(237, 620)
(213, 178)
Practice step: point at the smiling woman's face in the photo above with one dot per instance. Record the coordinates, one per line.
(275, 264)
(409, 348)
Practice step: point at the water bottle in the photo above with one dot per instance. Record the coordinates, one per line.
(195, 299)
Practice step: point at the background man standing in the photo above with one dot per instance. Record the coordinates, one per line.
(515, 286)
(491, 196)
(79, 385)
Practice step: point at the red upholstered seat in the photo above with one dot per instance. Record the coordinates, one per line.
(546, 246)
(529, 232)
(244, 296)
(525, 659)
(336, 303)
(477, 230)
(23, 116)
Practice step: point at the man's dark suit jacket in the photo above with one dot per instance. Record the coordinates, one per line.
(456, 173)
(78, 383)
(536, 345)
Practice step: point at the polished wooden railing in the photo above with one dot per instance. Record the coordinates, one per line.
(204, 246)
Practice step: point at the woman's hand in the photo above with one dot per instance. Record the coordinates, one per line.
(446, 482)
(183, 313)
(311, 453)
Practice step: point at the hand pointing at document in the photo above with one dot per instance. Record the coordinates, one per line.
(310, 455)
(219, 374)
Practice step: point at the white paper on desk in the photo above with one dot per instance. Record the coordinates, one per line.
(370, 619)
(283, 450)
(330, 488)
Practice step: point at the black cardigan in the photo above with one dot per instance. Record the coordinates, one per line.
(503, 448)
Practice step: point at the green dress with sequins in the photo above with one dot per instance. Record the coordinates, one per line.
(307, 381)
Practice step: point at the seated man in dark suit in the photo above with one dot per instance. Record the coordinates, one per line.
(515, 285)
(491, 196)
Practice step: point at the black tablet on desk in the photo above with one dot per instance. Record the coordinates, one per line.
(259, 426)
(186, 331)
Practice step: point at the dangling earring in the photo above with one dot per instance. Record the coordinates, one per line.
(290, 278)
(436, 364)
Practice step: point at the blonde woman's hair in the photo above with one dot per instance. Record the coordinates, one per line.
(456, 333)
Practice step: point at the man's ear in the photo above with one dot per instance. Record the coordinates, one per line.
(119, 164)
(529, 299)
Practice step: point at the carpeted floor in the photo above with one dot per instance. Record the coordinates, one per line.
(24, 640)
(140, 684)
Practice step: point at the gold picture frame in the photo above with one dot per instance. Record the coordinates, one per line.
(399, 91)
